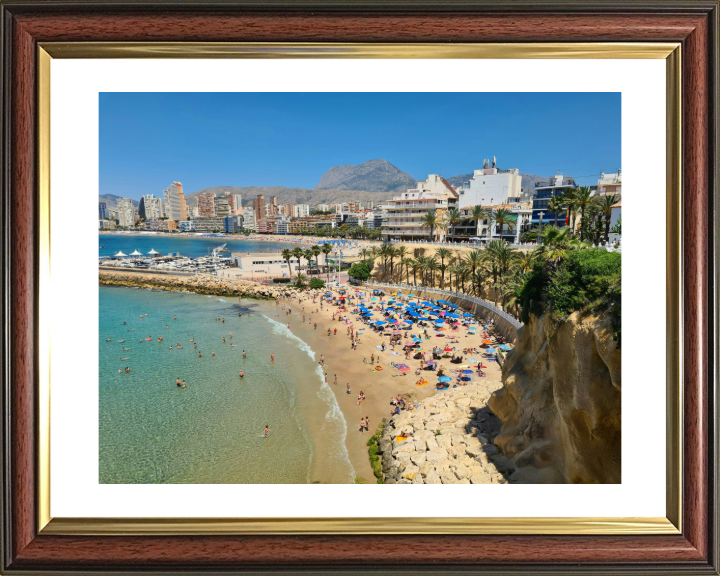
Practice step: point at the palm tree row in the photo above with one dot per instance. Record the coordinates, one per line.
(494, 272)
(309, 254)
(595, 212)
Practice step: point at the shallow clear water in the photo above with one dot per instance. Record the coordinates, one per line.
(151, 431)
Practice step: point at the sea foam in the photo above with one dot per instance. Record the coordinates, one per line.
(325, 393)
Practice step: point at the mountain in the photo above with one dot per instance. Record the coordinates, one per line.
(111, 200)
(527, 184)
(293, 195)
(373, 176)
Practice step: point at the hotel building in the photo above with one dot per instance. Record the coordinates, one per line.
(151, 207)
(406, 213)
(609, 184)
(222, 206)
(492, 186)
(102, 210)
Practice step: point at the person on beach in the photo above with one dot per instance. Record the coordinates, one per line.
(362, 425)
(335, 379)
(348, 388)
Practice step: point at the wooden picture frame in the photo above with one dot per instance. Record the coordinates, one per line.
(32, 544)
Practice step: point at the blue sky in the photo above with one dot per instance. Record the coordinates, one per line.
(148, 140)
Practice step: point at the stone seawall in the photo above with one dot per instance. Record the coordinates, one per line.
(451, 442)
(201, 284)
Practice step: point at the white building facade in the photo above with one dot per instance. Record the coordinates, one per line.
(126, 212)
(490, 187)
(175, 208)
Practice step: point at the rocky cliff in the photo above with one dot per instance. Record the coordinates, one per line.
(560, 403)
(373, 175)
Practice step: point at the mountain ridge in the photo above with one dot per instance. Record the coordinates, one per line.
(374, 176)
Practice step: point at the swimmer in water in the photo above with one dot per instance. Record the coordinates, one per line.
(171, 347)
(244, 354)
(223, 339)
(195, 345)
(267, 431)
(108, 340)
(233, 346)
(177, 381)
(213, 352)
(200, 353)
(272, 357)
(183, 384)
(241, 374)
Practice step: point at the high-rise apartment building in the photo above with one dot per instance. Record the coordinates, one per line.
(103, 211)
(273, 200)
(126, 212)
(259, 207)
(235, 201)
(300, 210)
(175, 207)
(151, 207)
(222, 206)
(206, 204)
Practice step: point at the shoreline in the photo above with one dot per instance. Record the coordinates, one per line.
(378, 385)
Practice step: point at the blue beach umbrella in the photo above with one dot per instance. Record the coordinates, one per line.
(444, 379)
(467, 315)
(490, 350)
(504, 347)
(380, 323)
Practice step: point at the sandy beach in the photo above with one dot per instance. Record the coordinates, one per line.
(378, 386)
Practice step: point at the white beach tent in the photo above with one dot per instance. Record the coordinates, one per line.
(120, 255)
(152, 252)
(136, 253)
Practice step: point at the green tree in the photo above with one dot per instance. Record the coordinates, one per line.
(606, 209)
(326, 249)
(479, 213)
(316, 283)
(583, 197)
(430, 220)
(443, 254)
(287, 254)
(504, 218)
(453, 217)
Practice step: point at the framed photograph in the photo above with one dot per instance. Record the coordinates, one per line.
(344, 250)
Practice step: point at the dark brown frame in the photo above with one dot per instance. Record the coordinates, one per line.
(693, 24)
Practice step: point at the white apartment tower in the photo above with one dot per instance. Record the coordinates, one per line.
(126, 212)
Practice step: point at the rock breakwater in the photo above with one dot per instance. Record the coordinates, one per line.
(451, 442)
(201, 284)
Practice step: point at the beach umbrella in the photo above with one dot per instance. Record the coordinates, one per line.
(490, 350)
(448, 349)
(504, 347)
(152, 251)
(380, 323)
(373, 299)
(444, 379)
(486, 342)
(467, 315)
(119, 255)
(136, 253)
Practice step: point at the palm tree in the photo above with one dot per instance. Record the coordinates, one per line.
(300, 279)
(527, 261)
(443, 253)
(479, 213)
(556, 242)
(478, 278)
(569, 201)
(298, 253)
(555, 206)
(406, 262)
(308, 255)
(326, 249)
(453, 217)
(606, 208)
(474, 259)
(504, 218)
(384, 253)
(287, 254)
(415, 266)
(364, 253)
(374, 251)
(463, 273)
(430, 220)
(583, 197)
(432, 266)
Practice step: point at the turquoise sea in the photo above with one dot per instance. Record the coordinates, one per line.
(151, 431)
